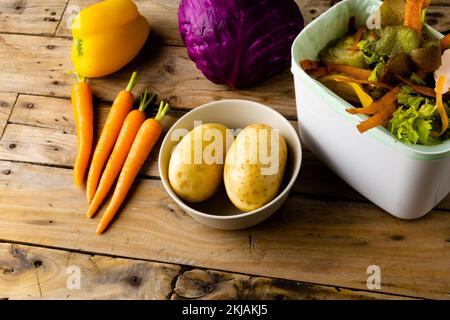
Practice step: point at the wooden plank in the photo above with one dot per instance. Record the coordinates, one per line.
(200, 284)
(38, 273)
(31, 16)
(163, 17)
(309, 239)
(28, 272)
(53, 117)
(437, 17)
(6, 105)
(165, 70)
(161, 14)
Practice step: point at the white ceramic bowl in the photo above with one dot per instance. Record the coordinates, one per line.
(405, 180)
(218, 212)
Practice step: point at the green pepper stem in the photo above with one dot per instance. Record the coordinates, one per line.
(145, 101)
(133, 81)
(163, 108)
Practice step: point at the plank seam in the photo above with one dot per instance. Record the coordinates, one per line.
(61, 18)
(312, 196)
(9, 116)
(185, 268)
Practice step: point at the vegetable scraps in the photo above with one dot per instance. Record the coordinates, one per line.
(387, 74)
(107, 36)
(239, 42)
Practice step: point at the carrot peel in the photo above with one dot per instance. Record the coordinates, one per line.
(440, 105)
(413, 14)
(382, 110)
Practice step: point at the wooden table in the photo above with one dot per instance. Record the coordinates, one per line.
(318, 246)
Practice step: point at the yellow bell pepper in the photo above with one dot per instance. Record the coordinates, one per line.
(107, 36)
(365, 99)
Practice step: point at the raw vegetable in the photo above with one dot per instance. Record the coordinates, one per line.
(239, 42)
(341, 78)
(196, 181)
(342, 52)
(413, 121)
(106, 36)
(398, 65)
(246, 184)
(365, 99)
(427, 58)
(122, 105)
(399, 55)
(130, 127)
(445, 43)
(386, 109)
(358, 73)
(440, 104)
(146, 137)
(84, 118)
(377, 106)
(413, 14)
(397, 39)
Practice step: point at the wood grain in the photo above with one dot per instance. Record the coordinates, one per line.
(212, 285)
(28, 272)
(163, 16)
(311, 240)
(6, 105)
(165, 70)
(42, 131)
(38, 273)
(38, 17)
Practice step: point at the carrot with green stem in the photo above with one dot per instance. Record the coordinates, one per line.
(81, 97)
(122, 105)
(130, 127)
(143, 144)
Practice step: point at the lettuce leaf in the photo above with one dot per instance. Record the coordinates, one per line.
(370, 55)
(413, 120)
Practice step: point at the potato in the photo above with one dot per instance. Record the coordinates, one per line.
(196, 177)
(252, 174)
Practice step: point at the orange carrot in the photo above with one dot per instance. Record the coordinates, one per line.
(425, 3)
(426, 91)
(378, 105)
(130, 127)
(445, 43)
(146, 138)
(121, 107)
(84, 118)
(383, 116)
(358, 73)
(413, 14)
(440, 105)
(308, 64)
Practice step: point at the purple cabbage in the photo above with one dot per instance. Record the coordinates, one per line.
(239, 42)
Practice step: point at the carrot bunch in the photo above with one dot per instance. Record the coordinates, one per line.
(124, 144)
(145, 139)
